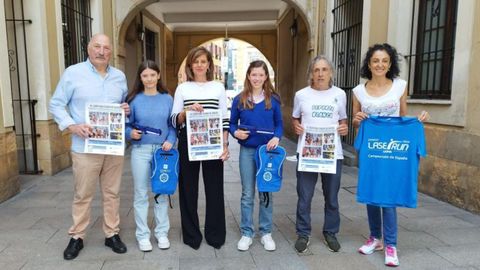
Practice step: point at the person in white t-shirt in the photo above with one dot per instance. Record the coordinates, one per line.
(319, 104)
(382, 95)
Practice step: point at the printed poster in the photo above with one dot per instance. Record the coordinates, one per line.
(318, 150)
(204, 135)
(108, 128)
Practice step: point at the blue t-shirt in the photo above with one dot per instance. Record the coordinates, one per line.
(389, 150)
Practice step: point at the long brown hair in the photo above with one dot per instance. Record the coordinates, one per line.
(268, 89)
(138, 87)
(193, 54)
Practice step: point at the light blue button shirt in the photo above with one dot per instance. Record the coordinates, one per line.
(79, 85)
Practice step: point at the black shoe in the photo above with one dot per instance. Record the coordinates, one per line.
(116, 244)
(73, 248)
(302, 243)
(331, 241)
(215, 245)
(194, 246)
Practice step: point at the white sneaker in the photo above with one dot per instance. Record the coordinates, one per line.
(244, 243)
(267, 242)
(163, 242)
(391, 258)
(372, 244)
(145, 245)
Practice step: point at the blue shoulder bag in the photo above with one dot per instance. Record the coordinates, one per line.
(165, 169)
(269, 170)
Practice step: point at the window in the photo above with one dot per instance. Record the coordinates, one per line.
(437, 21)
(150, 45)
(77, 30)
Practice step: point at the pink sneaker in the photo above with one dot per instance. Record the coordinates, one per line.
(372, 244)
(391, 258)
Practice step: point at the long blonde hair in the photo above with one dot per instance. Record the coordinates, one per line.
(268, 89)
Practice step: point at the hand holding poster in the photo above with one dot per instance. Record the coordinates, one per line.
(318, 150)
(108, 126)
(204, 135)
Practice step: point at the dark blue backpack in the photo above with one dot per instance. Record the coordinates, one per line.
(165, 169)
(269, 170)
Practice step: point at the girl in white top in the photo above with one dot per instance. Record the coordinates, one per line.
(382, 95)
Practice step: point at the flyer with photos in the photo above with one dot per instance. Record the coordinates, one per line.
(108, 126)
(204, 135)
(318, 150)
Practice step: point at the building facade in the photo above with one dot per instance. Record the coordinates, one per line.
(438, 42)
(437, 39)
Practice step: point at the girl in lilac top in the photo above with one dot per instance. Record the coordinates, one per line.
(150, 106)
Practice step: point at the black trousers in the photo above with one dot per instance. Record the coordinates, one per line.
(212, 172)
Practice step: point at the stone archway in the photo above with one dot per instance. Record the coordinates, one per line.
(293, 44)
(126, 11)
(184, 41)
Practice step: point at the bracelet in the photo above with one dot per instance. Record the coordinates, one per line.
(227, 144)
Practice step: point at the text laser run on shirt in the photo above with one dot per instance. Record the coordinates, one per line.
(320, 108)
(389, 151)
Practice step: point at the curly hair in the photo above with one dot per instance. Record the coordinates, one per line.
(394, 70)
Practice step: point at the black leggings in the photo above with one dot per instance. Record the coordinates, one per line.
(212, 171)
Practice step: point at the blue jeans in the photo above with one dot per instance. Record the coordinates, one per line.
(389, 223)
(306, 182)
(248, 171)
(141, 161)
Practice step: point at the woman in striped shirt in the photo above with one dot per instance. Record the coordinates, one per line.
(200, 93)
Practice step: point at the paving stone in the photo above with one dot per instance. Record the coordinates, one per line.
(457, 236)
(338, 262)
(273, 261)
(438, 222)
(217, 263)
(62, 264)
(18, 265)
(422, 259)
(34, 224)
(439, 209)
(163, 263)
(460, 255)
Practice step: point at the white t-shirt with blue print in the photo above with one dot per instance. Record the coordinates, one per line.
(320, 108)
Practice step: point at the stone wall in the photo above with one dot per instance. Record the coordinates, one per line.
(53, 147)
(9, 180)
(451, 172)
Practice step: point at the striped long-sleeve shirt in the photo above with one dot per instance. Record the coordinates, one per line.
(211, 95)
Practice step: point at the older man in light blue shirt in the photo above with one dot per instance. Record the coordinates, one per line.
(91, 81)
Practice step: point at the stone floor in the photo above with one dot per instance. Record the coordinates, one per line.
(33, 228)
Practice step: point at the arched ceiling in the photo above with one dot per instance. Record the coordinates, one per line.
(214, 15)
